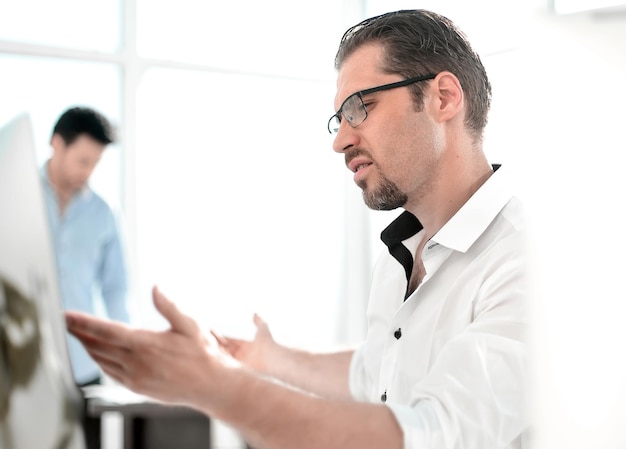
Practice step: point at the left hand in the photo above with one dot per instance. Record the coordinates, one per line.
(259, 353)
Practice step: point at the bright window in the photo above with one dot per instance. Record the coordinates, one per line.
(239, 198)
(273, 36)
(76, 24)
(45, 87)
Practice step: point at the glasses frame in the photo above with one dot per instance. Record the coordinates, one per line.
(361, 93)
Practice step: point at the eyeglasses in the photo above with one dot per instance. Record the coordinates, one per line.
(355, 111)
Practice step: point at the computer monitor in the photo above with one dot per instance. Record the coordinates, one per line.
(40, 405)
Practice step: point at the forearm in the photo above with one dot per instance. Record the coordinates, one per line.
(324, 374)
(113, 279)
(183, 366)
(273, 416)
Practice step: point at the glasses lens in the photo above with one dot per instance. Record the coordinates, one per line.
(353, 110)
(333, 124)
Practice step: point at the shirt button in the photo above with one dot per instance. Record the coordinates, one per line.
(398, 334)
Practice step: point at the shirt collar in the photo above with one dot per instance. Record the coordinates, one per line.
(469, 222)
(402, 228)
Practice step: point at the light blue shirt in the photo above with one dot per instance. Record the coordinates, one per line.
(90, 262)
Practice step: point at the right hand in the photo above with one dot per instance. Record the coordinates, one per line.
(178, 365)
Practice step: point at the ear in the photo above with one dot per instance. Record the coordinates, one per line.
(449, 93)
(57, 143)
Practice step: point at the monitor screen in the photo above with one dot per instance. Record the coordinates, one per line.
(40, 404)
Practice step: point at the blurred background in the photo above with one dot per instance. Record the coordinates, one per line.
(233, 202)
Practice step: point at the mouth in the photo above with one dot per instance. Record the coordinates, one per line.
(360, 170)
(358, 162)
(360, 167)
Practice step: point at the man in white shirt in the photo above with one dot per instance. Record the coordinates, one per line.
(444, 364)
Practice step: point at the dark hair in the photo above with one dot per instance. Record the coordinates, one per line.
(419, 42)
(80, 120)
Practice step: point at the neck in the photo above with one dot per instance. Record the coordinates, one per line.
(453, 186)
(64, 194)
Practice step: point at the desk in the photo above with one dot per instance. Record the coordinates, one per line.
(147, 424)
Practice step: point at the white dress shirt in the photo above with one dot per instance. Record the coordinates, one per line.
(451, 359)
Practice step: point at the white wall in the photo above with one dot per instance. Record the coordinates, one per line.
(559, 115)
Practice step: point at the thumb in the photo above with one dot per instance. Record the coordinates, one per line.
(180, 322)
(261, 325)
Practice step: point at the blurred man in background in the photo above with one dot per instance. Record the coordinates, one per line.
(88, 246)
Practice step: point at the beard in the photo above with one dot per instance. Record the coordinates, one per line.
(387, 196)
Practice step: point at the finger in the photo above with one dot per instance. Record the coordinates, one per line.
(179, 321)
(126, 366)
(109, 357)
(258, 321)
(90, 328)
(109, 365)
(118, 372)
(230, 345)
(221, 340)
(261, 325)
(223, 343)
(104, 353)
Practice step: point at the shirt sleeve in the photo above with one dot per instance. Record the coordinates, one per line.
(474, 407)
(357, 380)
(113, 275)
(474, 395)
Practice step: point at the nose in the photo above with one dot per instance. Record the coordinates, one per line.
(345, 138)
